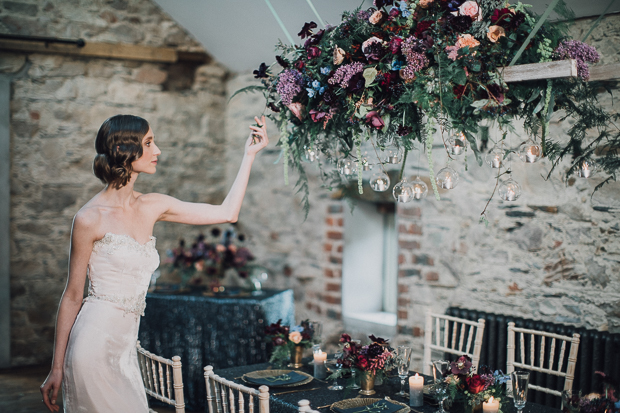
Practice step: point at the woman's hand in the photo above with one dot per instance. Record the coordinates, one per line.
(49, 389)
(258, 138)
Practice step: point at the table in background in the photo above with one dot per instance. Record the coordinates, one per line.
(287, 402)
(219, 331)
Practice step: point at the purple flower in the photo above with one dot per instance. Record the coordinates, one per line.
(313, 52)
(363, 15)
(461, 365)
(290, 83)
(581, 52)
(261, 72)
(381, 3)
(344, 73)
(306, 31)
(374, 120)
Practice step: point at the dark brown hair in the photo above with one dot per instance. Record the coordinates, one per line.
(118, 144)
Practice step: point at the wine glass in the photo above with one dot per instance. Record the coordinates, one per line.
(354, 385)
(337, 361)
(440, 387)
(403, 358)
(520, 380)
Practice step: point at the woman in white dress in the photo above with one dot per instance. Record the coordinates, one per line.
(95, 347)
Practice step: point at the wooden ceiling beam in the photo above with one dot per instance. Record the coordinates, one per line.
(118, 51)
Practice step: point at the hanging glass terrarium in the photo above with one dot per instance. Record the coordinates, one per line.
(457, 144)
(586, 169)
(509, 190)
(379, 182)
(392, 154)
(347, 167)
(403, 191)
(447, 178)
(530, 151)
(420, 189)
(495, 158)
(310, 153)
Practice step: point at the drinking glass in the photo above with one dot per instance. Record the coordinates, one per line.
(338, 363)
(440, 387)
(570, 401)
(520, 380)
(403, 359)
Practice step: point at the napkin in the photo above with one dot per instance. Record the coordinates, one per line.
(288, 378)
(382, 406)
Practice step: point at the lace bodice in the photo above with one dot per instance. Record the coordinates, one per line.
(119, 271)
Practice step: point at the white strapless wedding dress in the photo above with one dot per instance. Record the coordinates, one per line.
(101, 372)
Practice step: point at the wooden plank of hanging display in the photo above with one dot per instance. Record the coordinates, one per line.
(535, 71)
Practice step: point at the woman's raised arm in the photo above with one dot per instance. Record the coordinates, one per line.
(82, 239)
(174, 210)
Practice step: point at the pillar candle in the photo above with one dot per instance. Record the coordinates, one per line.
(320, 371)
(490, 406)
(416, 391)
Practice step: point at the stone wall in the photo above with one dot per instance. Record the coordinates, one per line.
(553, 255)
(57, 105)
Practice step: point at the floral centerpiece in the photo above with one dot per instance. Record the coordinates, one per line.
(395, 73)
(208, 258)
(289, 342)
(470, 389)
(371, 361)
(607, 401)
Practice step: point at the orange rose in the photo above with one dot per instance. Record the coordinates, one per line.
(495, 32)
(467, 40)
(376, 17)
(425, 3)
(338, 55)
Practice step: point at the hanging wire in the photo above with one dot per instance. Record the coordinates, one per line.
(316, 13)
(275, 14)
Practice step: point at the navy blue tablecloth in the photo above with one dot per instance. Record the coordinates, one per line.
(222, 332)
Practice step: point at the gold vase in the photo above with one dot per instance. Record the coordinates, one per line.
(367, 383)
(296, 357)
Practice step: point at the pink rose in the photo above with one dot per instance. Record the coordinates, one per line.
(295, 337)
(297, 109)
(376, 17)
(471, 9)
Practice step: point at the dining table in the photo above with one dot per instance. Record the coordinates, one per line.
(285, 399)
(221, 330)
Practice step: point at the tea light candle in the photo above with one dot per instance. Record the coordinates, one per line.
(496, 162)
(320, 371)
(490, 406)
(447, 184)
(381, 185)
(416, 390)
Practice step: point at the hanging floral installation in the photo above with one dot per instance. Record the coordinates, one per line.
(359, 96)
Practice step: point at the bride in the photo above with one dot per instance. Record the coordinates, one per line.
(95, 348)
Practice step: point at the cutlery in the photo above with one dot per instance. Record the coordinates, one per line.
(294, 391)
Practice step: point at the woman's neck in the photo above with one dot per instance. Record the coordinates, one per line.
(122, 196)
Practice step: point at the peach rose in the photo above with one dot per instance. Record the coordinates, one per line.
(338, 55)
(297, 109)
(471, 9)
(467, 40)
(425, 3)
(295, 337)
(495, 32)
(376, 17)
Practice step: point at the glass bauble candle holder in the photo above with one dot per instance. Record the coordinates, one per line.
(447, 178)
(310, 153)
(379, 182)
(420, 189)
(347, 167)
(586, 169)
(530, 152)
(403, 191)
(457, 144)
(495, 158)
(509, 190)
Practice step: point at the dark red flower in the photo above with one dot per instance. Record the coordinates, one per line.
(299, 64)
(459, 24)
(306, 31)
(282, 62)
(388, 78)
(273, 107)
(475, 384)
(381, 3)
(500, 15)
(374, 120)
(345, 338)
(362, 362)
(394, 12)
(404, 130)
(422, 27)
(317, 116)
(395, 44)
(458, 91)
(313, 52)
(278, 341)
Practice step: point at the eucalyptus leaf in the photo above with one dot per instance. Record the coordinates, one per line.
(369, 75)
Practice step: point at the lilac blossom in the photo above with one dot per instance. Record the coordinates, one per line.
(416, 59)
(363, 15)
(344, 74)
(289, 85)
(581, 52)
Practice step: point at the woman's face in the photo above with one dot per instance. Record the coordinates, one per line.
(147, 163)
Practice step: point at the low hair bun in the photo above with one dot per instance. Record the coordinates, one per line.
(118, 144)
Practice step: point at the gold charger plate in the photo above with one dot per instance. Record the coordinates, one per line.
(261, 374)
(361, 402)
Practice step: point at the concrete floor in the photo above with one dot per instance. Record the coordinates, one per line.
(19, 390)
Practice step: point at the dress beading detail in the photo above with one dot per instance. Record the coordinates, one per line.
(130, 304)
(113, 242)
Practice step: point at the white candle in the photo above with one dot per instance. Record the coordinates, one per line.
(447, 184)
(497, 162)
(490, 406)
(416, 390)
(320, 371)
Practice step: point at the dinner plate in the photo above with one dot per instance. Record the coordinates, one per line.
(262, 374)
(361, 402)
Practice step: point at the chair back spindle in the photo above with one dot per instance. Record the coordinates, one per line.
(221, 395)
(459, 337)
(157, 377)
(551, 365)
